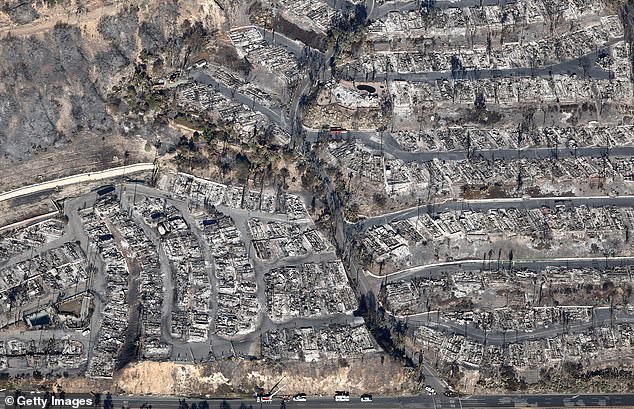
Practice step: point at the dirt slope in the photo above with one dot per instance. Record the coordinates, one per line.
(381, 376)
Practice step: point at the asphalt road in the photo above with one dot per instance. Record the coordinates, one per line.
(296, 47)
(568, 67)
(436, 402)
(70, 180)
(389, 146)
(275, 114)
(549, 401)
(414, 402)
(506, 203)
(376, 12)
(602, 314)
(438, 269)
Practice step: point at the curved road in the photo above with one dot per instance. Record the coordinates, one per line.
(502, 203)
(390, 146)
(438, 269)
(603, 318)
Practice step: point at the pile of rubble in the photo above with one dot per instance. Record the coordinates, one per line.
(592, 345)
(140, 252)
(115, 311)
(275, 240)
(308, 344)
(43, 354)
(465, 138)
(504, 299)
(542, 230)
(20, 240)
(308, 290)
(511, 92)
(238, 305)
(250, 44)
(41, 279)
(202, 192)
(314, 15)
(193, 96)
(190, 315)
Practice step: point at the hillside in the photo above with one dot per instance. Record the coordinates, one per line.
(62, 59)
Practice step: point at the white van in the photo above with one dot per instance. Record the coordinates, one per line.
(341, 396)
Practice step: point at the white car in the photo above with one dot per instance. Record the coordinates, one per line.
(300, 397)
(430, 390)
(366, 397)
(341, 396)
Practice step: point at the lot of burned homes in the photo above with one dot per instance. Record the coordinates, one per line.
(509, 56)
(480, 177)
(487, 36)
(193, 270)
(531, 231)
(474, 163)
(525, 360)
(498, 322)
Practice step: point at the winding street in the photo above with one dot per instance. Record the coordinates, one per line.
(390, 146)
(373, 281)
(482, 205)
(602, 318)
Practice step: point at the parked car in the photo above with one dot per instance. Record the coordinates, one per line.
(342, 396)
(366, 397)
(300, 397)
